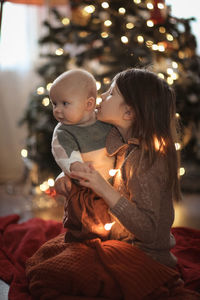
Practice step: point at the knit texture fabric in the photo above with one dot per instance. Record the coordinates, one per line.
(19, 241)
(145, 209)
(109, 269)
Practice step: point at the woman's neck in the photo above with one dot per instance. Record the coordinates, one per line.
(126, 132)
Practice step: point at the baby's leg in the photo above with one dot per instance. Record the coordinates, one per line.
(85, 215)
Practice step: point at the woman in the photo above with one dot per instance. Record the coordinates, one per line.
(136, 262)
(142, 108)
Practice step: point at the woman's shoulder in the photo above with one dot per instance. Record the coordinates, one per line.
(138, 163)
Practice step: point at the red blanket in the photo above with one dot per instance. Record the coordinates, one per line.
(20, 241)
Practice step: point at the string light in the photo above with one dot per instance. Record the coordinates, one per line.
(161, 75)
(65, 21)
(160, 5)
(181, 54)
(177, 115)
(104, 35)
(40, 90)
(150, 23)
(175, 76)
(124, 39)
(105, 4)
(174, 65)
(44, 186)
(161, 48)
(137, 1)
(98, 100)
(170, 71)
(150, 5)
(107, 23)
(177, 146)
(49, 85)
(50, 182)
(98, 85)
(89, 9)
(108, 226)
(24, 153)
(112, 172)
(170, 81)
(169, 37)
(154, 47)
(140, 39)
(106, 80)
(149, 43)
(130, 25)
(181, 171)
(59, 51)
(83, 34)
(162, 29)
(122, 10)
(45, 101)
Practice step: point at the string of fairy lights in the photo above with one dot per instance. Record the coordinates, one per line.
(170, 74)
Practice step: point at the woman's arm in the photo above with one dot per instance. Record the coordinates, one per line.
(140, 213)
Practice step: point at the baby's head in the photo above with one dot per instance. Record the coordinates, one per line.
(73, 96)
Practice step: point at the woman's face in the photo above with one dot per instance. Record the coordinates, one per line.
(112, 107)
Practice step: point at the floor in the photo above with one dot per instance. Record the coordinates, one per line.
(16, 199)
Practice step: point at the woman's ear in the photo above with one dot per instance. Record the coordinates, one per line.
(90, 104)
(128, 113)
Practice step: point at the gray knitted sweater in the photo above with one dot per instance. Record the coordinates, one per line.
(71, 143)
(144, 214)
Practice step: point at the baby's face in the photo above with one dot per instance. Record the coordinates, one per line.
(68, 104)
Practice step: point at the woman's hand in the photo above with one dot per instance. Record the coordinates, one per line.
(98, 184)
(63, 185)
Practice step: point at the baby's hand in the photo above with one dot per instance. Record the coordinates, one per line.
(63, 185)
(81, 167)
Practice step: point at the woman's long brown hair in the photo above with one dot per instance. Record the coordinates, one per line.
(154, 105)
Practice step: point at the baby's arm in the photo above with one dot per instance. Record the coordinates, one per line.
(65, 149)
(63, 184)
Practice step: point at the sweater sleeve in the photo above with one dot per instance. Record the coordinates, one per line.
(64, 149)
(140, 213)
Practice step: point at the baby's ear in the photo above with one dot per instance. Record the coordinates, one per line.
(90, 104)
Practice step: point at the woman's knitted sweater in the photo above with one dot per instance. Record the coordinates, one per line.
(144, 214)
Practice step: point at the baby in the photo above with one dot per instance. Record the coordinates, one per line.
(78, 143)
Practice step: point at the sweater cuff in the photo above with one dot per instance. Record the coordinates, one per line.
(120, 207)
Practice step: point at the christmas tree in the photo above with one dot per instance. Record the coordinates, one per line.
(105, 37)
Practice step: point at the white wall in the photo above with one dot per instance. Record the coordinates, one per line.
(18, 58)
